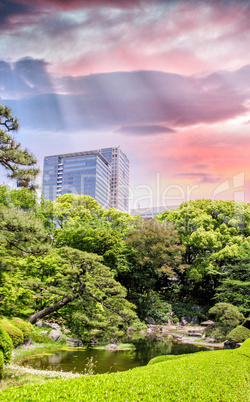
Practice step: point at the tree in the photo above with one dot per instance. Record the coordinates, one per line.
(235, 281)
(23, 198)
(154, 255)
(227, 317)
(19, 162)
(214, 234)
(76, 278)
(22, 232)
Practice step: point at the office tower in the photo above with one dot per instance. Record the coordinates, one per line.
(103, 174)
(86, 173)
(119, 186)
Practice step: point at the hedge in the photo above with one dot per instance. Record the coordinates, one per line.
(239, 334)
(25, 326)
(6, 345)
(14, 332)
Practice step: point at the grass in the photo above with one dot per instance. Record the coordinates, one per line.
(15, 378)
(37, 349)
(216, 376)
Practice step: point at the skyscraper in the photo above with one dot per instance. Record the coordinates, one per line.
(119, 185)
(103, 174)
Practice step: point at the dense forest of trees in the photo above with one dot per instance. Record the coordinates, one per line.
(95, 269)
(102, 270)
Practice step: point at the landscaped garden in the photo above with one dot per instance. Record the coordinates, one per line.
(222, 375)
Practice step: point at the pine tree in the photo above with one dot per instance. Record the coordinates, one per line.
(19, 162)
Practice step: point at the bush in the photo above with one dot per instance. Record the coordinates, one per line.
(239, 334)
(227, 317)
(14, 332)
(6, 345)
(1, 364)
(25, 326)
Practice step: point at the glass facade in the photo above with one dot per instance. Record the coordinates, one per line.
(119, 186)
(85, 173)
(103, 174)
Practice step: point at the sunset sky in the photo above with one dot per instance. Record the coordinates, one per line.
(168, 81)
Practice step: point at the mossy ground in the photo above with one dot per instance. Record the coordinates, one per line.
(222, 375)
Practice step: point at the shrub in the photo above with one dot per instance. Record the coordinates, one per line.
(227, 317)
(6, 345)
(14, 332)
(1, 364)
(239, 334)
(25, 326)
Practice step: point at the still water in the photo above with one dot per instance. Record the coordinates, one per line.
(110, 361)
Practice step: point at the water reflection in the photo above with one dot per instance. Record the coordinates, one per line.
(110, 360)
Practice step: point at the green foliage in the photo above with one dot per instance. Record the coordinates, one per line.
(159, 309)
(21, 198)
(221, 375)
(216, 237)
(154, 254)
(1, 364)
(24, 326)
(239, 334)
(37, 337)
(14, 332)
(6, 344)
(235, 283)
(20, 163)
(227, 317)
(163, 358)
(22, 232)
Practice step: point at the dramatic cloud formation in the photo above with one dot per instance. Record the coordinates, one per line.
(167, 80)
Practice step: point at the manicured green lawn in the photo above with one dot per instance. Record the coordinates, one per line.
(217, 376)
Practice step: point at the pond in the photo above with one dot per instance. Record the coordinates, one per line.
(110, 360)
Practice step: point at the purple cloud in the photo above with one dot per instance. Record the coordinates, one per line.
(140, 102)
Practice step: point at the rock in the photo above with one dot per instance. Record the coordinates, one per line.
(209, 322)
(186, 318)
(47, 324)
(183, 322)
(195, 331)
(197, 334)
(112, 346)
(195, 320)
(44, 332)
(159, 336)
(153, 328)
(176, 336)
(39, 323)
(74, 342)
(229, 344)
(27, 342)
(210, 340)
(150, 320)
(56, 326)
(52, 325)
(55, 335)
